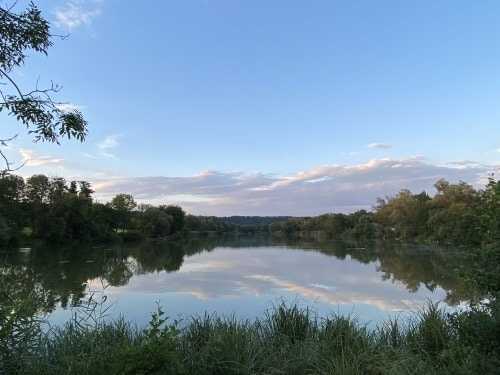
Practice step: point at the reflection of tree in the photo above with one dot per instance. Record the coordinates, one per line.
(118, 272)
(430, 268)
(158, 256)
(60, 276)
(52, 276)
(411, 265)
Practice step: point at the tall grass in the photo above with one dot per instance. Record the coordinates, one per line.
(287, 340)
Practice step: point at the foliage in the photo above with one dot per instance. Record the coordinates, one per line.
(5, 231)
(123, 205)
(236, 224)
(20, 329)
(56, 210)
(156, 222)
(456, 214)
(288, 340)
(46, 119)
(177, 215)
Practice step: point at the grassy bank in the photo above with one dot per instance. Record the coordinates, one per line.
(288, 340)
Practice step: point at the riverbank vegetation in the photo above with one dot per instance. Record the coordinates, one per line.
(456, 214)
(54, 209)
(287, 340)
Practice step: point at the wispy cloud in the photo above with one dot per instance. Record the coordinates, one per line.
(327, 188)
(379, 145)
(90, 156)
(108, 144)
(466, 163)
(32, 159)
(75, 13)
(68, 107)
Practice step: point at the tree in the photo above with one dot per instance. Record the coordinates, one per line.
(453, 214)
(85, 190)
(11, 189)
(490, 214)
(45, 119)
(155, 222)
(123, 204)
(37, 189)
(178, 216)
(57, 190)
(404, 215)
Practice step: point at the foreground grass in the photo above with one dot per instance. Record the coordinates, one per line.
(288, 340)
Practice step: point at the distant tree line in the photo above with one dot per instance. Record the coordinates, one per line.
(456, 214)
(253, 220)
(239, 224)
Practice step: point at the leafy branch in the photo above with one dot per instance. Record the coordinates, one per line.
(45, 119)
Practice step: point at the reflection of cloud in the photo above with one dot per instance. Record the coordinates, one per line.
(205, 266)
(272, 273)
(327, 188)
(336, 298)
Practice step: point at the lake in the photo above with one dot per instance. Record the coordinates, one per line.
(238, 276)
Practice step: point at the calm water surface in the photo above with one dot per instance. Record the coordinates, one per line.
(243, 277)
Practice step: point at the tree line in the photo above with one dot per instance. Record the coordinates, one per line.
(54, 209)
(456, 214)
(57, 210)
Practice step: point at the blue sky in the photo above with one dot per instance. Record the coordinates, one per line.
(268, 89)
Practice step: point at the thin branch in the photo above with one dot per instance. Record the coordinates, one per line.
(13, 83)
(8, 164)
(8, 12)
(4, 141)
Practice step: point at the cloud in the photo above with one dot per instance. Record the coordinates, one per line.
(107, 144)
(465, 163)
(76, 13)
(111, 141)
(68, 107)
(379, 145)
(31, 159)
(327, 188)
(90, 156)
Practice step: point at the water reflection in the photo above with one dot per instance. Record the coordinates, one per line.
(235, 275)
